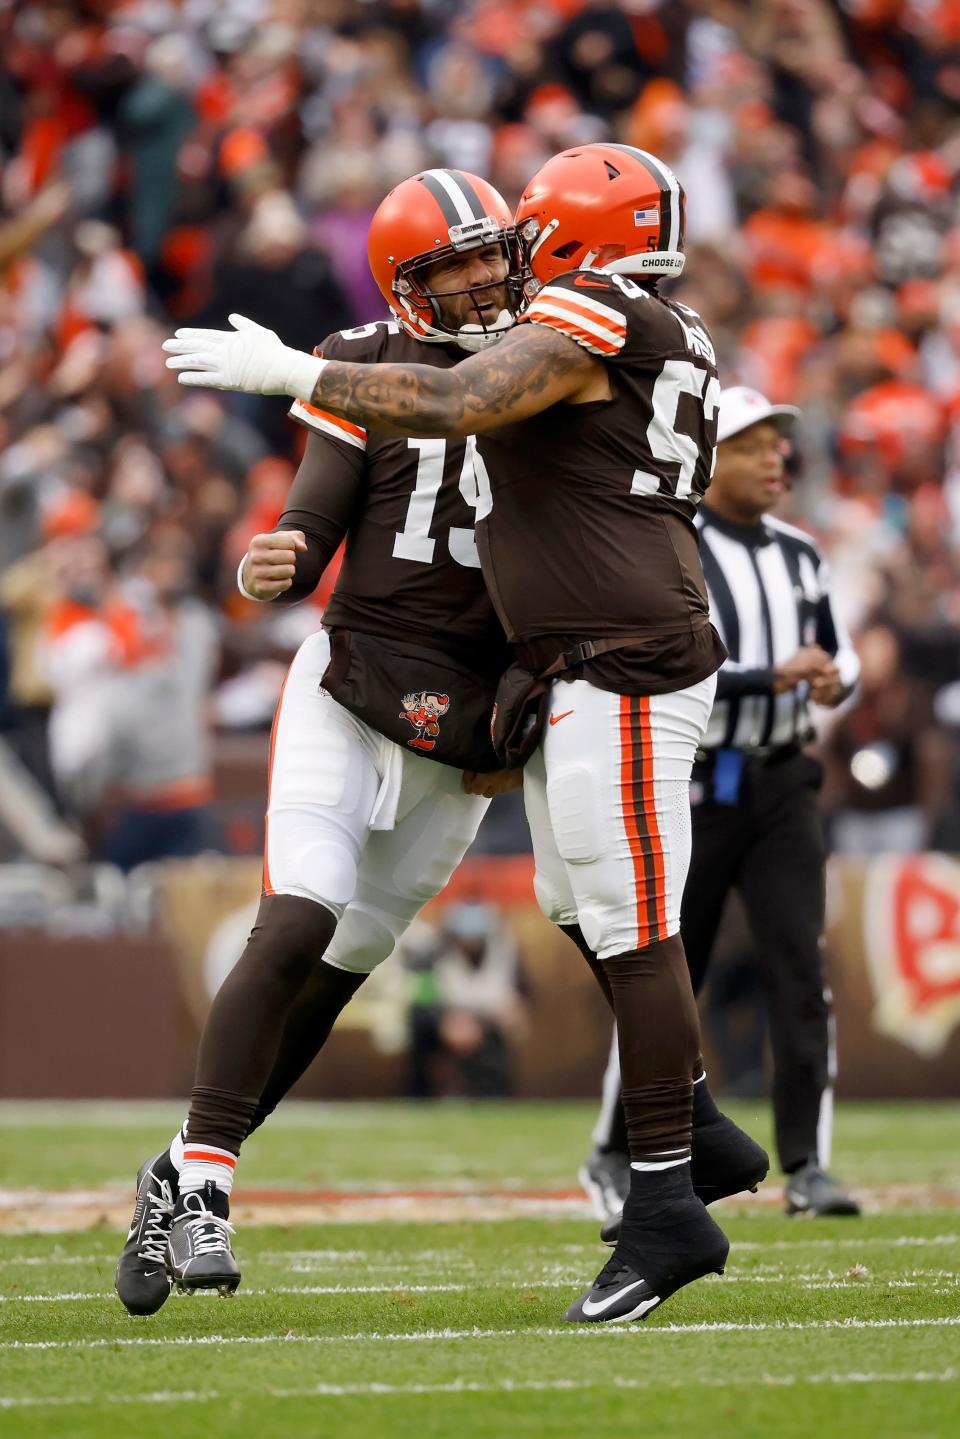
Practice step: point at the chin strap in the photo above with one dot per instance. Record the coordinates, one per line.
(478, 337)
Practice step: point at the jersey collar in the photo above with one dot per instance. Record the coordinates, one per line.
(752, 535)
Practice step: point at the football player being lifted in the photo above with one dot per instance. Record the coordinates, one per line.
(596, 424)
(363, 824)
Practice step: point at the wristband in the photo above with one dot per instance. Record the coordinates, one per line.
(242, 587)
(304, 372)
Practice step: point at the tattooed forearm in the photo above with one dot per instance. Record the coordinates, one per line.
(527, 371)
(402, 399)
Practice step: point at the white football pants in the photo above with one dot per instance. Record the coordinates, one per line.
(607, 800)
(355, 822)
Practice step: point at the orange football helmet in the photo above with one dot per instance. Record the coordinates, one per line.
(605, 207)
(424, 219)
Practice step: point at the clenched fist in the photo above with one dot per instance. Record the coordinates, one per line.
(488, 786)
(271, 563)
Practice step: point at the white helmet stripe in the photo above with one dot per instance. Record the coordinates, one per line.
(667, 181)
(457, 197)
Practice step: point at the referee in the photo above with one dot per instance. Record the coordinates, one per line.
(755, 819)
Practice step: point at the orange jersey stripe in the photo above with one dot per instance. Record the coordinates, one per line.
(267, 885)
(608, 319)
(357, 431)
(570, 327)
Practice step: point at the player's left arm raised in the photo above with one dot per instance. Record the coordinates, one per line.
(530, 369)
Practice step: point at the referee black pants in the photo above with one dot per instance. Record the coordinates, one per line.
(769, 846)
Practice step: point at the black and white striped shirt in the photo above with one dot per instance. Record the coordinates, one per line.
(769, 595)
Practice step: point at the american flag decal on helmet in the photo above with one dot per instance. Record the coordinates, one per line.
(671, 209)
(646, 217)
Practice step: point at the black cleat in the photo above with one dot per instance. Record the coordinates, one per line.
(606, 1179)
(620, 1292)
(811, 1190)
(724, 1161)
(200, 1255)
(142, 1280)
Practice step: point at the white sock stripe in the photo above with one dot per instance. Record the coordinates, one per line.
(643, 1166)
(195, 1173)
(211, 1152)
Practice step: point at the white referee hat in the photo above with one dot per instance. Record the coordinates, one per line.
(741, 407)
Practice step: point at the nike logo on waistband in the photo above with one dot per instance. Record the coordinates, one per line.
(555, 719)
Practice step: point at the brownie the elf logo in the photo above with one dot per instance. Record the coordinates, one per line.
(423, 710)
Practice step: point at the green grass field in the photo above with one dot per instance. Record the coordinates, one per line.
(415, 1327)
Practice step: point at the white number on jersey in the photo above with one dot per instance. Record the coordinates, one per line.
(678, 377)
(698, 341)
(364, 332)
(413, 542)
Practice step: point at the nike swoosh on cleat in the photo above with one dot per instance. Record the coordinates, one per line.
(555, 719)
(591, 1307)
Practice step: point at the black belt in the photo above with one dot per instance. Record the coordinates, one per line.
(763, 756)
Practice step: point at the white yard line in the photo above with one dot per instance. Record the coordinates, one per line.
(902, 1241)
(556, 1280)
(470, 1386)
(320, 1289)
(285, 1256)
(943, 1285)
(426, 1336)
(279, 1255)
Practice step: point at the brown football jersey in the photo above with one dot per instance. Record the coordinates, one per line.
(406, 508)
(586, 527)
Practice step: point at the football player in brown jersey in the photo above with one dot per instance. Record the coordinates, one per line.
(596, 422)
(363, 826)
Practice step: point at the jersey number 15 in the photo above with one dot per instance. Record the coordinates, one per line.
(414, 541)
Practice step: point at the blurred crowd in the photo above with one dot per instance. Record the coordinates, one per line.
(164, 163)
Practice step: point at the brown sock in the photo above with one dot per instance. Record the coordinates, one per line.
(316, 1009)
(242, 1035)
(659, 1038)
(574, 932)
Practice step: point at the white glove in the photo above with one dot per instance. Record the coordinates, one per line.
(248, 357)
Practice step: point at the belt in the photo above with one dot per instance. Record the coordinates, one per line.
(762, 755)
